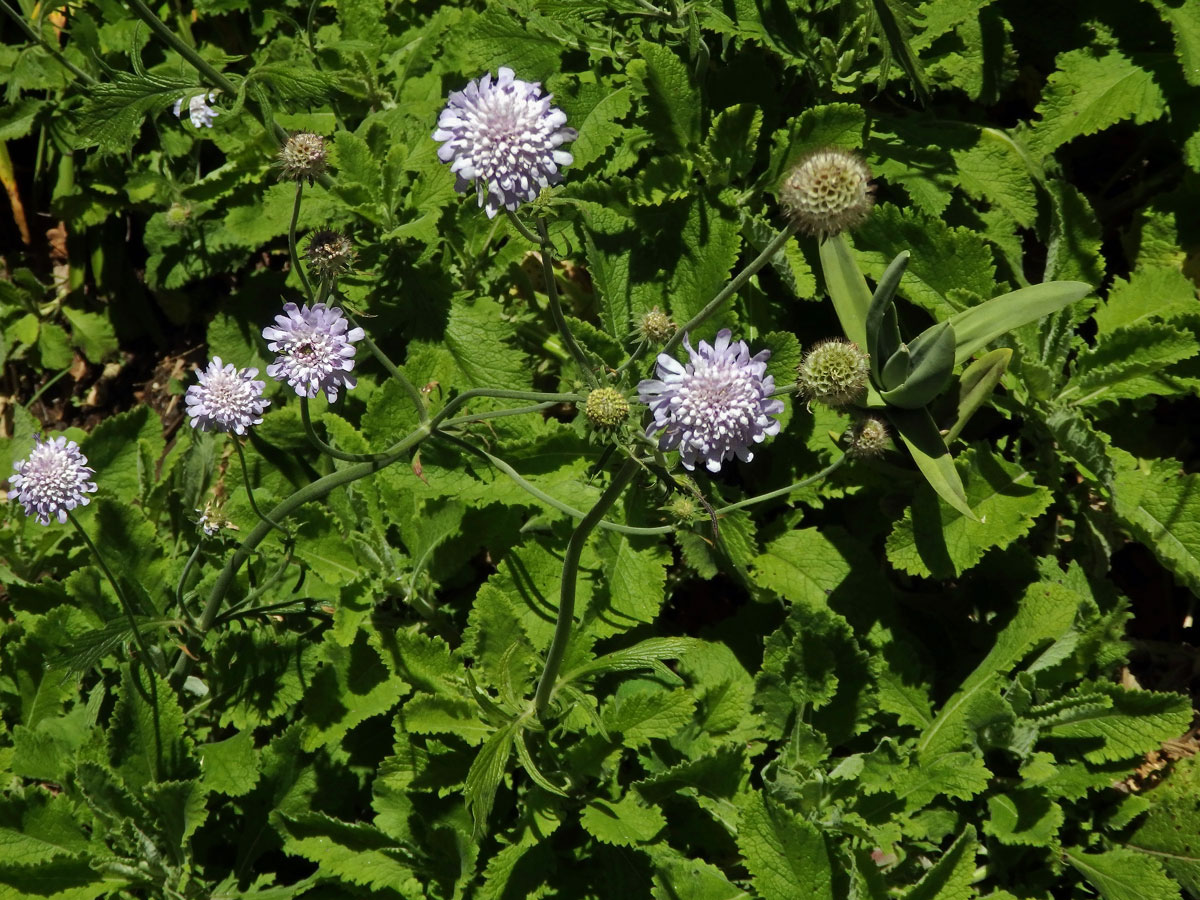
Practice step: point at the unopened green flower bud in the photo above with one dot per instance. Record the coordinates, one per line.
(682, 509)
(834, 372)
(656, 327)
(606, 408)
(303, 157)
(329, 254)
(868, 437)
(178, 215)
(827, 192)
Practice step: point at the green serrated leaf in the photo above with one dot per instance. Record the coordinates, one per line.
(951, 876)
(624, 823)
(1123, 874)
(785, 854)
(1024, 817)
(1161, 508)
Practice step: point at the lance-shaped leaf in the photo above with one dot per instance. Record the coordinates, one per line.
(847, 287)
(920, 434)
(883, 331)
(976, 384)
(930, 365)
(980, 325)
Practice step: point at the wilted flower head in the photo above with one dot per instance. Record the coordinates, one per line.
(834, 372)
(868, 437)
(827, 192)
(302, 157)
(715, 407)
(226, 398)
(315, 347)
(504, 135)
(53, 479)
(656, 327)
(199, 111)
(329, 254)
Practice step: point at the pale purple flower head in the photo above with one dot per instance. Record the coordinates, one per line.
(199, 111)
(315, 347)
(226, 398)
(715, 407)
(54, 479)
(505, 136)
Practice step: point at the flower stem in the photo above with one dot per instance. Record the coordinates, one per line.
(733, 287)
(292, 243)
(183, 577)
(237, 445)
(560, 321)
(126, 607)
(324, 447)
(566, 596)
(413, 394)
(310, 492)
(520, 226)
(771, 495)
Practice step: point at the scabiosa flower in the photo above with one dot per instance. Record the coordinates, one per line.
(715, 407)
(315, 347)
(226, 398)
(199, 111)
(505, 136)
(53, 479)
(827, 192)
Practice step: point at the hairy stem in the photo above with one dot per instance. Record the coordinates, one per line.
(237, 445)
(414, 395)
(325, 448)
(292, 243)
(566, 596)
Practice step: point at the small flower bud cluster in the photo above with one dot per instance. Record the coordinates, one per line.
(606, 408)
(178, 215)
(828, 192)
(303, 157)
(834, 372)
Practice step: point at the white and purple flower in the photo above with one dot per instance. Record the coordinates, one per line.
(226, 398)
(199, 111)
(715, 407)
(53, 479)
(505, 136)
(315, 347)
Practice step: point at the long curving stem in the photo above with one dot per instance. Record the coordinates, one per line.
(566, 595)
(292, 243)
(556, 313)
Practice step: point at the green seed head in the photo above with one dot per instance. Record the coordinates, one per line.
(329, 254)
(682, 509)
(827, 192)
(606, 408)
(303, 157)
(834, 373)
(656, 326)
(868, 437)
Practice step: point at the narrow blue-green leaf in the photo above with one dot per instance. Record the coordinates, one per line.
(923, 440)
(980, 325)
(847, 287)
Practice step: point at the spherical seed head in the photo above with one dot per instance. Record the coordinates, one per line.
(303, 157)
(828, 192)
(329, 254)
(52, 480)
(506, 137)
(225, 398)
(178, 215)
(606, 408)
(315, 347)
(868, 437)
(656, 327)
(834, 372)
(715, 407)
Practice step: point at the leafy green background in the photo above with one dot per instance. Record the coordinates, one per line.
(851, 692)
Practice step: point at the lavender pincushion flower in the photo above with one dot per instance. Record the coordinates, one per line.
(505, 136)
(715, 407)
(315, 347)
(226, 398)
(53, 480)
